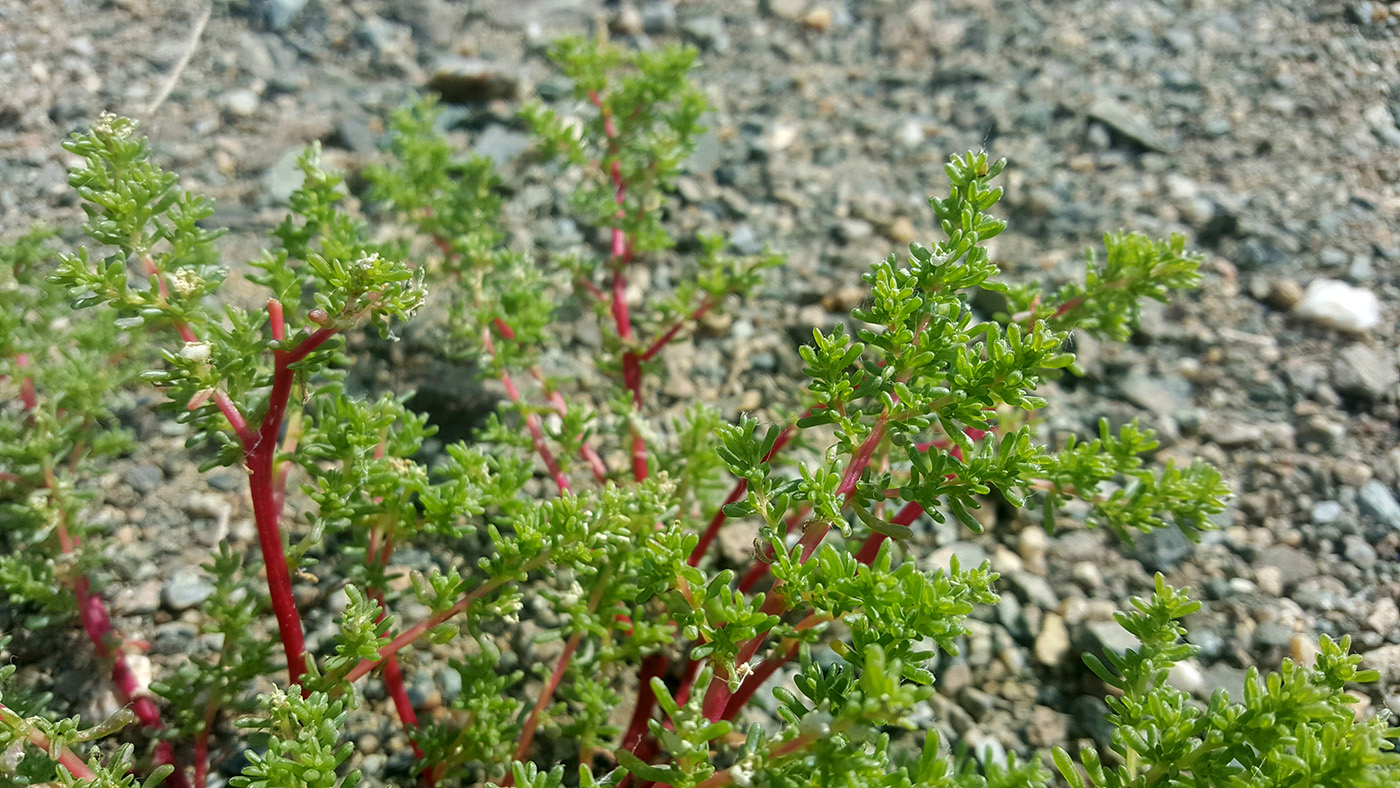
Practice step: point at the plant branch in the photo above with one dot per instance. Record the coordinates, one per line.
(532, 420)
(588, 454)
(64, 756)
(410, 635)
(705, 306)
(740, 489)
(29, 398)
(527, 733)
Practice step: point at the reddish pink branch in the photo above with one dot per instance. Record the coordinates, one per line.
(181, 327)
(276, 322)
(761, 567)
(262, 485)
(279, 581)
(66, 757)
(27, 395)
(586, 452)
(718, 695)
(398, 690)
(594, 290)
(726, 777)
(639, 456)
(653, 666)
(245, 434)
(755, 680)
(532, 421)
(664, 339)
(622, 251)
(201, 747)
(740, 489)
(527, 735)
(97, 624)
(410, 635)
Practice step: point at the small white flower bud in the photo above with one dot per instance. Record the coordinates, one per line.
(197, 352)
(743, 770)
(184, 281)
(817, 724)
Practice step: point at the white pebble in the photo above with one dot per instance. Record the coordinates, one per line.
(241, 102)
(1339, 305)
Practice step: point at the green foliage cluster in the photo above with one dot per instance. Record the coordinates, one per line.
(925, 410)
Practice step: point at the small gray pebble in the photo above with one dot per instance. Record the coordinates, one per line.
(1326, 512)
(144, 479)
(185, 589)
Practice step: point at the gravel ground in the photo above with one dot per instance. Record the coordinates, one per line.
(1264, 131)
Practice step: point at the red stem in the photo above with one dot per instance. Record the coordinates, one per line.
(761, 567)
(527, 735)
(661, 342)
(740, 489)
(639, 456)
(721, 779)
(416, 631)
(652, 667)
(718, 695)
(28, 396)
(201, 747)
(621, 316)
(262, 485)
(586, 452)
(622, 251)
(245, 434)
(755, 680)
(97, 624)
(594, 290)
(181, 327)
(279, 582)
(66, 757)
(393, 681)
(532, 421)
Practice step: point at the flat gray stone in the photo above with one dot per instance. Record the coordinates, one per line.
(1131, 123)
(1375, 500)
(185, 589)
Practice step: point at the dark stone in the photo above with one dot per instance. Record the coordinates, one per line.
(1256, 253)
(1163, 549)
(144, 479)
(1089, 717)
(463, 79)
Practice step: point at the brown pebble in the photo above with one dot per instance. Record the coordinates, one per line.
(818, 19)
(1283, 294)
(901, 230)
(843, 300)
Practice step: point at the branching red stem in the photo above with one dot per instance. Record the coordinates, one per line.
(66, 757)
(740, 489)
(262, 485)
(661, 342)
(410, 635)
(590, 456)
(532, 421)
(653, 666)
(755, 680)
(527, 734)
